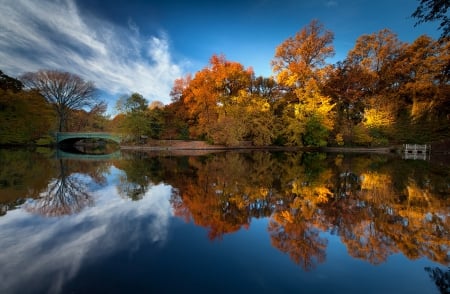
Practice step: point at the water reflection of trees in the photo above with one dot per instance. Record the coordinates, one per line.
(140, 173)
(377, 205)
(23, 174)
(440, 277)
(56, 187)
(65, 194)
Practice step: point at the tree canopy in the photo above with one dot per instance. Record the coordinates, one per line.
(65, 91)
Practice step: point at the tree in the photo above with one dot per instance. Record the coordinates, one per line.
(210, 90)
(155, 119)
(156, 104)
(346, 84)
(425, 63)
(299, 63)
(375, 57)
(25, 116)
(136, 121)
(64, 90)
(300, 57)
(93, 120)
(133, 103)
(9, 83)
(432, 10)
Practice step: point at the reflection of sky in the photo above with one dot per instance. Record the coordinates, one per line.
(39, 249)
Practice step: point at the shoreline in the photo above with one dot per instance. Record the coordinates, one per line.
(203, 146)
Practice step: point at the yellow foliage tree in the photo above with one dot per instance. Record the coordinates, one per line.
(298, 64)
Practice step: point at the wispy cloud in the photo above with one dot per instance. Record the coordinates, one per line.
(331, 3)
(56, 35)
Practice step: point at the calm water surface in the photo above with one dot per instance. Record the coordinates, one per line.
(251, 222)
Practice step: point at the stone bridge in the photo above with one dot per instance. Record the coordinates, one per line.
(72, 137)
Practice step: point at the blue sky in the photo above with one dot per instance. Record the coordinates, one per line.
(143, 46)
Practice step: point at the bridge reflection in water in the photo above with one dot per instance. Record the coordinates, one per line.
(60, 154)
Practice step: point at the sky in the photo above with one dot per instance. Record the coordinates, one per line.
(144, 45)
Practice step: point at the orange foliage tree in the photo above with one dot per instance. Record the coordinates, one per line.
(300, 67)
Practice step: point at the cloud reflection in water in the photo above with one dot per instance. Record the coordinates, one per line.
(50, 251)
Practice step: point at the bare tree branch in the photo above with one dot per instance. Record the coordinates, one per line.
(64, 90)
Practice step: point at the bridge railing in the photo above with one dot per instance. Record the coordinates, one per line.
(61, 136)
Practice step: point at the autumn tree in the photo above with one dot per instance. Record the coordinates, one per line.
(175, 121)
(375, 58)
(63, 90)
(25, 116)
(300, 67)
(299, 58)
(345, 85)
(425, 76)
(246, 117)
(211, 90)
(424, 90)
(156, 120)
(93, 120)
(266, 88)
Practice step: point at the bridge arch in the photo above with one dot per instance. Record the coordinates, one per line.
(77, 136)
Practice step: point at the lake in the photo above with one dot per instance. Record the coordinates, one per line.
(225, 222)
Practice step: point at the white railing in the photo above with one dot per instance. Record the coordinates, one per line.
(416, 151)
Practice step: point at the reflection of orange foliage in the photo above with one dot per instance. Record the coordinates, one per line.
(368, 211)
(368, 243)
(297, 237)
(372, 181)
(428, 219)
(224, 192)
(417, 227)
(208, 210)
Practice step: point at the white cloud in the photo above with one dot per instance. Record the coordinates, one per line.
(54, 35)
(331, 3)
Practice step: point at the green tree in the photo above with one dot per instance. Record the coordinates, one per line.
(155, 117)
(135, 122)
(133, 103)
